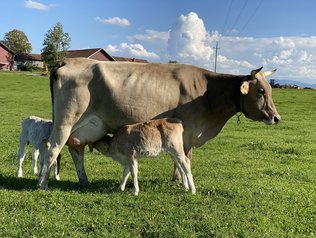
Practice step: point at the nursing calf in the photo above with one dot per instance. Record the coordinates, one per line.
(147, 139)
(34, 131)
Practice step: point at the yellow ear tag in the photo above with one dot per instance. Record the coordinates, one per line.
(244, 88)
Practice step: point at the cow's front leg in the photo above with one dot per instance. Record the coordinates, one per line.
(77, 155)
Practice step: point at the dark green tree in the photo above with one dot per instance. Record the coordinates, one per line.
(56, 43)
(18, 42)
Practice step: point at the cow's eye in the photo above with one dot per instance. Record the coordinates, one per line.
(260, 90)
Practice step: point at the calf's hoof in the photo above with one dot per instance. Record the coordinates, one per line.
(120, 189)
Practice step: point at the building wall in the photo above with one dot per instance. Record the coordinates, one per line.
(6, 59)
(36, 63)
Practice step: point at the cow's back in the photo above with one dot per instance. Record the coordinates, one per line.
(121, 93)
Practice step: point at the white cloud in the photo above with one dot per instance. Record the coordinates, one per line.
(114, 21)
(132, 50)
(151, 35)
(37, 5)
(189, 40)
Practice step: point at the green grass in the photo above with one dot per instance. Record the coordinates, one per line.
(252, 180)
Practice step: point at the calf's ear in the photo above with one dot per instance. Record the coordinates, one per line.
(244, 88)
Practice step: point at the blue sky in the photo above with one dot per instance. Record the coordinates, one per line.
(251, 33)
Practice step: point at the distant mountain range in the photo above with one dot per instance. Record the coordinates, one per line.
(293, 82)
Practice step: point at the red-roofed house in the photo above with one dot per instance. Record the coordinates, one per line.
(96, 54)
(6, 57)
(35, 60)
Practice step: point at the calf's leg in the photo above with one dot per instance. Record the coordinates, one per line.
(185, 164)
(57, 168)
(134, 171)
(181, 171)
(126, 173)
(21, 156)
(176, 173)
(35, 154)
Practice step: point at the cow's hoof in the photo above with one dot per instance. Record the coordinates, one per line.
(42, 186)
(57, 177)
(85, 184)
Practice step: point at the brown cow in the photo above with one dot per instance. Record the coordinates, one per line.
(92, 98)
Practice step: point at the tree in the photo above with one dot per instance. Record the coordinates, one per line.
(18, 42)
(56, 44)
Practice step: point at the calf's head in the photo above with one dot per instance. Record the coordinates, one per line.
(256, 98)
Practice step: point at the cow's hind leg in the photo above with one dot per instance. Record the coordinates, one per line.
(77, 155)
(57, 140)
(91, 130)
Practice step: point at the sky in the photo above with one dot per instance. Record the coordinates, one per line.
(250, 33)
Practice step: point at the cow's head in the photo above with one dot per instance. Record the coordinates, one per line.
(256, 98)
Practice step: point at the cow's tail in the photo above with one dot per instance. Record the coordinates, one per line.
(53, 78)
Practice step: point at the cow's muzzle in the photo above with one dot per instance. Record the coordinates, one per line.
(275, 119)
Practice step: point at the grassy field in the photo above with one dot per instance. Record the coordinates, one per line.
(252, 180)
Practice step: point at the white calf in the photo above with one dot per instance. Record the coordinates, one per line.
(147, 139)
(34, 131)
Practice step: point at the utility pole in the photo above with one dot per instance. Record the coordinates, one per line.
(216, 48)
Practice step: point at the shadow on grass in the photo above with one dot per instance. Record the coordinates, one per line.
(106, 186)
(22, 184)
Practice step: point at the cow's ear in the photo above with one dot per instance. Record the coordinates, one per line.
(255, 71)
(244, 88)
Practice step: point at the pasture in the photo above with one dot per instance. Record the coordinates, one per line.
(252, 180)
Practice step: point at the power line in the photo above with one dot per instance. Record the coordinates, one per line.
(250, 18)
(227, 16)
(216, 48)
(240, 13)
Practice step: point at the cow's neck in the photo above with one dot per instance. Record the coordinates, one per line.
(211, 111)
